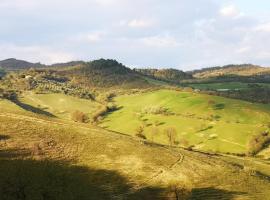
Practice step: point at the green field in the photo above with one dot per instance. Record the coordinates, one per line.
(208, 122)
(59, 105)
(225, 86)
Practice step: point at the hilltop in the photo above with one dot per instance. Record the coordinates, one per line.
(105, 73)
(168, 75)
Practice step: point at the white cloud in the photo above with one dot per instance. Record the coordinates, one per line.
(160, 41)
(35, 53)
(263, 27)
(92, 37)
(229, 11)
(18, 4)
(140, 23)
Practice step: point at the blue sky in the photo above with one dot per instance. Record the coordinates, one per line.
(184, 34)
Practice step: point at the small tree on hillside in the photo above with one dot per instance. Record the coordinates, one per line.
(171, 134)
(139, 132)
(79, 116)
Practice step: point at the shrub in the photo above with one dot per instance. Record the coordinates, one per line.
(181, 191)
(155, 110)
(139, 132)
(79, 116)
(99, 113)
(211, 102)
(258, 143)
(171, 134)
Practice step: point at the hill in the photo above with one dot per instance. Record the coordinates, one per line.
(43, 157)
(168, 75)
(14, 64)
(105, 73)
(237, 70)
(203, 122)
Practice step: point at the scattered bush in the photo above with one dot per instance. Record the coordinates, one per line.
(79, 116)
(258, 143)
(103, 110)
(155, 110)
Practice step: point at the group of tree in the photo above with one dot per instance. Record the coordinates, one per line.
(258, 143)
(168, 75)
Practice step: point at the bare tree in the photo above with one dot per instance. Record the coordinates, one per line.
(171, 134)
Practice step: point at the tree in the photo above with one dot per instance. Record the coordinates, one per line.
(139, 132)
(171, 134)
(79, 116)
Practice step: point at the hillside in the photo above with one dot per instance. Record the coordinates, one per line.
(105, 73)
(237, 70)
(203, 122)
(43, 157)
(168, 75)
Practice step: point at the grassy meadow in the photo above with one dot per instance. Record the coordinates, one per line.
(59, 105)
(206, 122)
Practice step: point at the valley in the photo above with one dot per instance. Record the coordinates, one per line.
(128, 136)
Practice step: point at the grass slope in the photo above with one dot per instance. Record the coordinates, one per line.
(50, 159)
(59, 105)
(208, 122)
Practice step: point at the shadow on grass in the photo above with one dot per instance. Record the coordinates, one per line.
(4, 137)
(33, 109)
(211, 193)
(27, 179)
(205, 129)
(219, 106)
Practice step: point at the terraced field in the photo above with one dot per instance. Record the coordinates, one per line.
(207, 122)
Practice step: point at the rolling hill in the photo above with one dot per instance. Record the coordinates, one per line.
(237, 70)
(208, 123)
(168, 75)
(43, 157)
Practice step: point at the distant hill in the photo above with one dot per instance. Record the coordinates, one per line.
(68, 64)
(14, 64)
(168, 75)
(105, 73)
(237, 70)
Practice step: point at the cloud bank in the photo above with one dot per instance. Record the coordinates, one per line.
(184, 34)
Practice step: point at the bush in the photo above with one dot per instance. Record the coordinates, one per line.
(79, 116)
(155, 110)
(171, 134)
(258, 143)
(99, 113)
(139, 132)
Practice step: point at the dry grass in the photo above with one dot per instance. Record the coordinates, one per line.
(115, 166)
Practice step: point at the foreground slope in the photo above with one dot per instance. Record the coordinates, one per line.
(50, 158)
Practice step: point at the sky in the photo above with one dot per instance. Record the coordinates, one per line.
(182, 34)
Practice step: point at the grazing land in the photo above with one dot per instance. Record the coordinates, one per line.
(99, 130)
(199, 120)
